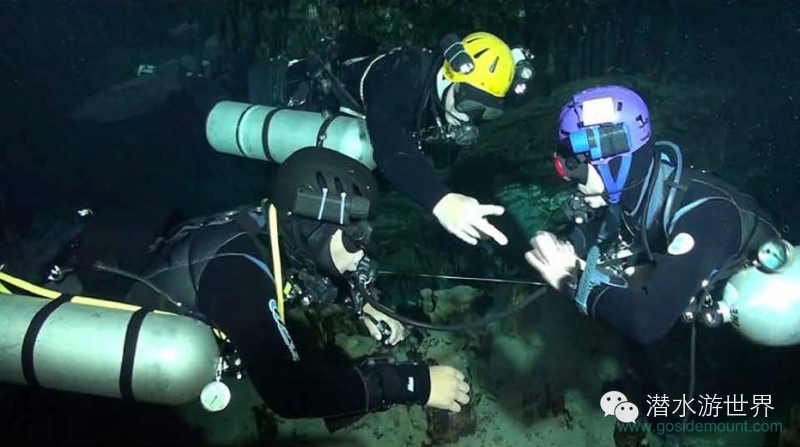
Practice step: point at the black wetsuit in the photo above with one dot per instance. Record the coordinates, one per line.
(648, 311)
(230, 282)
(397, 93)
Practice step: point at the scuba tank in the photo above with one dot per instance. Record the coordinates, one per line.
(104, 348)
(273, 133)
(296, 108)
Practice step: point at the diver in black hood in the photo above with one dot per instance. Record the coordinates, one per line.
(653, 241)
(224, 269)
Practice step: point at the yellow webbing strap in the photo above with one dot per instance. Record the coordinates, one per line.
(276, 258)
(88, 301)
(77, 299)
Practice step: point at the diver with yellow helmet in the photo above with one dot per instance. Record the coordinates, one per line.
(477, 74)
(405, 98)
(411, 93)
(378, 109)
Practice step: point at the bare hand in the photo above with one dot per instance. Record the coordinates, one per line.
(554, 259)
(465, 218)
(398, 331)
(449, 389)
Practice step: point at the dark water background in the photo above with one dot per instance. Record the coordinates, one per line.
(56, 53)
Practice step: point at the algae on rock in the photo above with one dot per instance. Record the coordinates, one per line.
(449, 305)
(530, 205)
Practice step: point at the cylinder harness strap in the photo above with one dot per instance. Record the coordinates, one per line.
(129, 352)
(32, 333)
(322, 135)
(10, 285)
(57, 300)
(264, 133)
(364, 78)
(25, 287)
(337, 87)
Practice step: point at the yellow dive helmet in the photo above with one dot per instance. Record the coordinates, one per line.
(493, 72)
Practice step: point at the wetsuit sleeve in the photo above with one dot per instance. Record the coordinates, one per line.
(647, 314)
(392, 104)
(238, 296)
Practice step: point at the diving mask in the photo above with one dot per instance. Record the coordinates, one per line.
(597, 145)
(475, 103)
(570, 168)
(312, 239)
(356, 236)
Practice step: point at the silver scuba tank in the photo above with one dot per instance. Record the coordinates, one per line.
(273, 134)
(117, 351)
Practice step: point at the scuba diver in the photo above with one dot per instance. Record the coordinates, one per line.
(222, 272)
(406, 97)
(658, 241)
(409, 93)
(221, 268)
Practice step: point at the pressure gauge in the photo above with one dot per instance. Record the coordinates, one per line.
(215, 396)
(774, 254)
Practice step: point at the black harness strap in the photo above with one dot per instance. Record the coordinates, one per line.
(323, 130)
(265, 131)
(29, 342)
(337, 87)
(427, 96)
(238, 126)
(16, 290)
(129, 352)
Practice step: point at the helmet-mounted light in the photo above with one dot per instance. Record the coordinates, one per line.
(456, 55)
(340, 209)
(599, 138)
(523, 70)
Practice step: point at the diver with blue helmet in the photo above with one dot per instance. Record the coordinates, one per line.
(652, 241)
